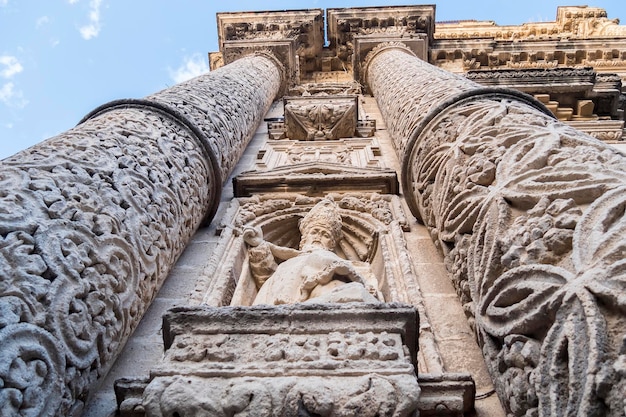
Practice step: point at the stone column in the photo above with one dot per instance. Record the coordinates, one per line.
(529, 215)
(92, 220)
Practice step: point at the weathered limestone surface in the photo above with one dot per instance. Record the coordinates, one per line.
(529, 214)
(92, 220)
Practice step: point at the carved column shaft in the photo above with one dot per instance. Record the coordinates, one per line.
(529, 214)
(92, 220)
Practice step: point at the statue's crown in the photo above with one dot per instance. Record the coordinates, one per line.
(324, 214)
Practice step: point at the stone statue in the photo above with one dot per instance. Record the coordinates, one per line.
(315, 272)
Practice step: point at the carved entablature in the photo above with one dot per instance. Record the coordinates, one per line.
(580, 36)
(585, 22)
(305, 27)
(320, 118)
(587, 100)
(571, 22)
(406, 22)
(295, 38)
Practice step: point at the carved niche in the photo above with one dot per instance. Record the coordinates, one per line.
(311, 358)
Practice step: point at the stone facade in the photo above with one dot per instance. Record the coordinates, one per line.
(402, 222)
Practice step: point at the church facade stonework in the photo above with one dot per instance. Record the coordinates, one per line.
(416, 218)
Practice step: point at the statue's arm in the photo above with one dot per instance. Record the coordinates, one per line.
(283, 253)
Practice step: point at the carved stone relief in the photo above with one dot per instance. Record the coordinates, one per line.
(371, 224)
(320, 118)
(354, 152)
(251, 360)
(528, 213)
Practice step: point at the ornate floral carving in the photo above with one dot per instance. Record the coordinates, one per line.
(92, 220)
(529, 213)
(315, 118)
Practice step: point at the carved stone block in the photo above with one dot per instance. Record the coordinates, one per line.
(302, 359)
(352, 152)
(320, 118)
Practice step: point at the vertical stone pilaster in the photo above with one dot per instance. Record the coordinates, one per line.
(92, 220)
(529, 214)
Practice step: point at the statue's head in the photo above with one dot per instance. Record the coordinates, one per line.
(321, 227)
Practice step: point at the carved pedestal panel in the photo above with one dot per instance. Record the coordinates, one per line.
(298, 360)
(320, 118)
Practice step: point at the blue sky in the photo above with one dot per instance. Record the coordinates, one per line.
(59, 59)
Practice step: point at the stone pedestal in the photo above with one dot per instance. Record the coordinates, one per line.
(297, 360)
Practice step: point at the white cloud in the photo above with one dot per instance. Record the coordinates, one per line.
(4, 2)
(72, 1)
(12, 98)
(11, 66)
(192, 66)
(92, 29)
(41, 21)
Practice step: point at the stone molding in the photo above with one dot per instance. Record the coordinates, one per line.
(316, 179)
(94, 218)
(553, 80)
(525, 210)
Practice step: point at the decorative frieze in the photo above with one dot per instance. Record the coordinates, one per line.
(528, 214)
